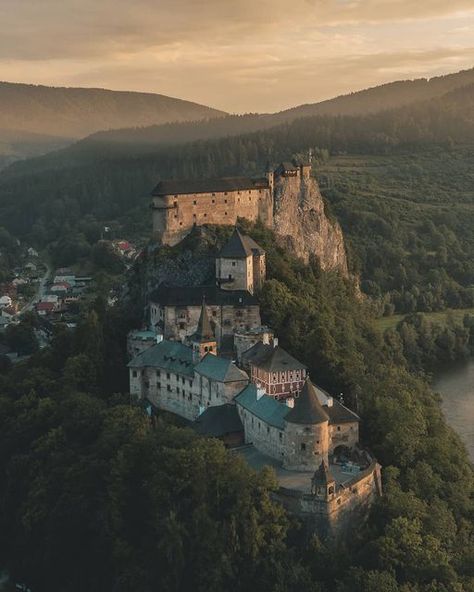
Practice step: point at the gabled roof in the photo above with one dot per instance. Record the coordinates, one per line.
(191, 186)
(240, 246)
(166, 355)
(266, 408)
(270, 358)
(218, 421)
(220, 369)
(307, 410)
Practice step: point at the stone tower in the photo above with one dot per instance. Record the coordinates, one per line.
(306, 432)
(204, 340)
(240, 265)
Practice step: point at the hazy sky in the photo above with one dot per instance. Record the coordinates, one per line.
(237, 55)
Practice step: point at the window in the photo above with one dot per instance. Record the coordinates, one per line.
(225, 193)
(233, 263)
(190, 383)
(280, 435)
(268, 430)
(338, 428)
(303, 446)
(213, 201)
(225, 213)
(177, 390)
(134, 374)
(158, 373)
(225, 201)
(168, 388)
(182, 379)
(182, 326)
(168, 375)
(205, 215)
(194, 202)
(158, 385)
(176, 215)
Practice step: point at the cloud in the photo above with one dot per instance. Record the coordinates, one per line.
(241, 55)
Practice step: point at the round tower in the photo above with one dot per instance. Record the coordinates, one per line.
(306, 432)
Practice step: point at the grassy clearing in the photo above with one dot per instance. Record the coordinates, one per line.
(385, 323)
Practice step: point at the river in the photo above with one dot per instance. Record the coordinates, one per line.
(456, 386)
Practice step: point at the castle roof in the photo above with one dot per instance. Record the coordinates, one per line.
(193, 296)
(307, 410)
(204, 331)
(220, 369)
(166, 355)
(218, 420)
(192, 186)
(271, 359)
(322, 476)
(240, 246)
(265, 408)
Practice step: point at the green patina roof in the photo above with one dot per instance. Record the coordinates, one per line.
(220, 369)
(167, 355)
(266, 408)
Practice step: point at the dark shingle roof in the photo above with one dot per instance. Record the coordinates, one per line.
(266, 408)
(167, 355)
(193, 296)
(307, 410)
(322, 475)
(204, 331)
(220, 369)
(240, 246)
(270, 358)
(218, 421)
(191, 186)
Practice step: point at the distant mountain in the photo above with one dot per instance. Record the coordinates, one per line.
(379, 98)
(365, 102)
(35, 120)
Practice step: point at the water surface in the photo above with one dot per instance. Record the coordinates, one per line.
(456, 386)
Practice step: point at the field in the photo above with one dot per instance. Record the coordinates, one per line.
(390, 322)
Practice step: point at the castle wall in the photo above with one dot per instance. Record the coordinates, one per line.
(179, 322)
(266, 438)
(186, 396)
(344, 512)
(235, 274)
(175, 215)
(306, 446)
(259, 271)
(344, 434)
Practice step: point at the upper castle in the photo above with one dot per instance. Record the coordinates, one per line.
(179, 205)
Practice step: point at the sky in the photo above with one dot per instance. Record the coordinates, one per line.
(237, 55)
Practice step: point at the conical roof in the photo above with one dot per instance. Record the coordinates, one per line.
(204, 330)
(307, 410)
(322, 475)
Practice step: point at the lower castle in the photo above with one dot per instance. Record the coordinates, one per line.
(212, 363)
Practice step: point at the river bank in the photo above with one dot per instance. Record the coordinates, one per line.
(455, 383)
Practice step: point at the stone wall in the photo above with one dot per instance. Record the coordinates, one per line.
(235, 274)
(306, 446)
(179, 322)
(342, 514)
(175, 215)
(184, 395)
(343, 434)
(266, 438)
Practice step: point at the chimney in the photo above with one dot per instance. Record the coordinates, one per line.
(266, 339)
(290, 402)
(330, 402)
(275, 342)
(260, 392)
(159, 337)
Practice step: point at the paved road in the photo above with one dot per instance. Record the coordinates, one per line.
(40, 292)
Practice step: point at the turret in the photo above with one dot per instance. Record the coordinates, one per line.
(323, 484)
(203, 341)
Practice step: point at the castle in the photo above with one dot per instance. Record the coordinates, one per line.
(179, 205)
(213, 364)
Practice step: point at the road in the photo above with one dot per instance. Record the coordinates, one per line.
(40, 292)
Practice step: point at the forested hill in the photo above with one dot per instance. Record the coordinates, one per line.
(385, 96)
(369, 101)
(77, 112)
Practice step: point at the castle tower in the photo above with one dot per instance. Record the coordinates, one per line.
(306, 432)
(240, 265)
(203, 341)
(323, 484)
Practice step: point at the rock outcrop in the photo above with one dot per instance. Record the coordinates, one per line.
(302, 225)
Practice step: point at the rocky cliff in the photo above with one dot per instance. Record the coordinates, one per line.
(302, 225)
